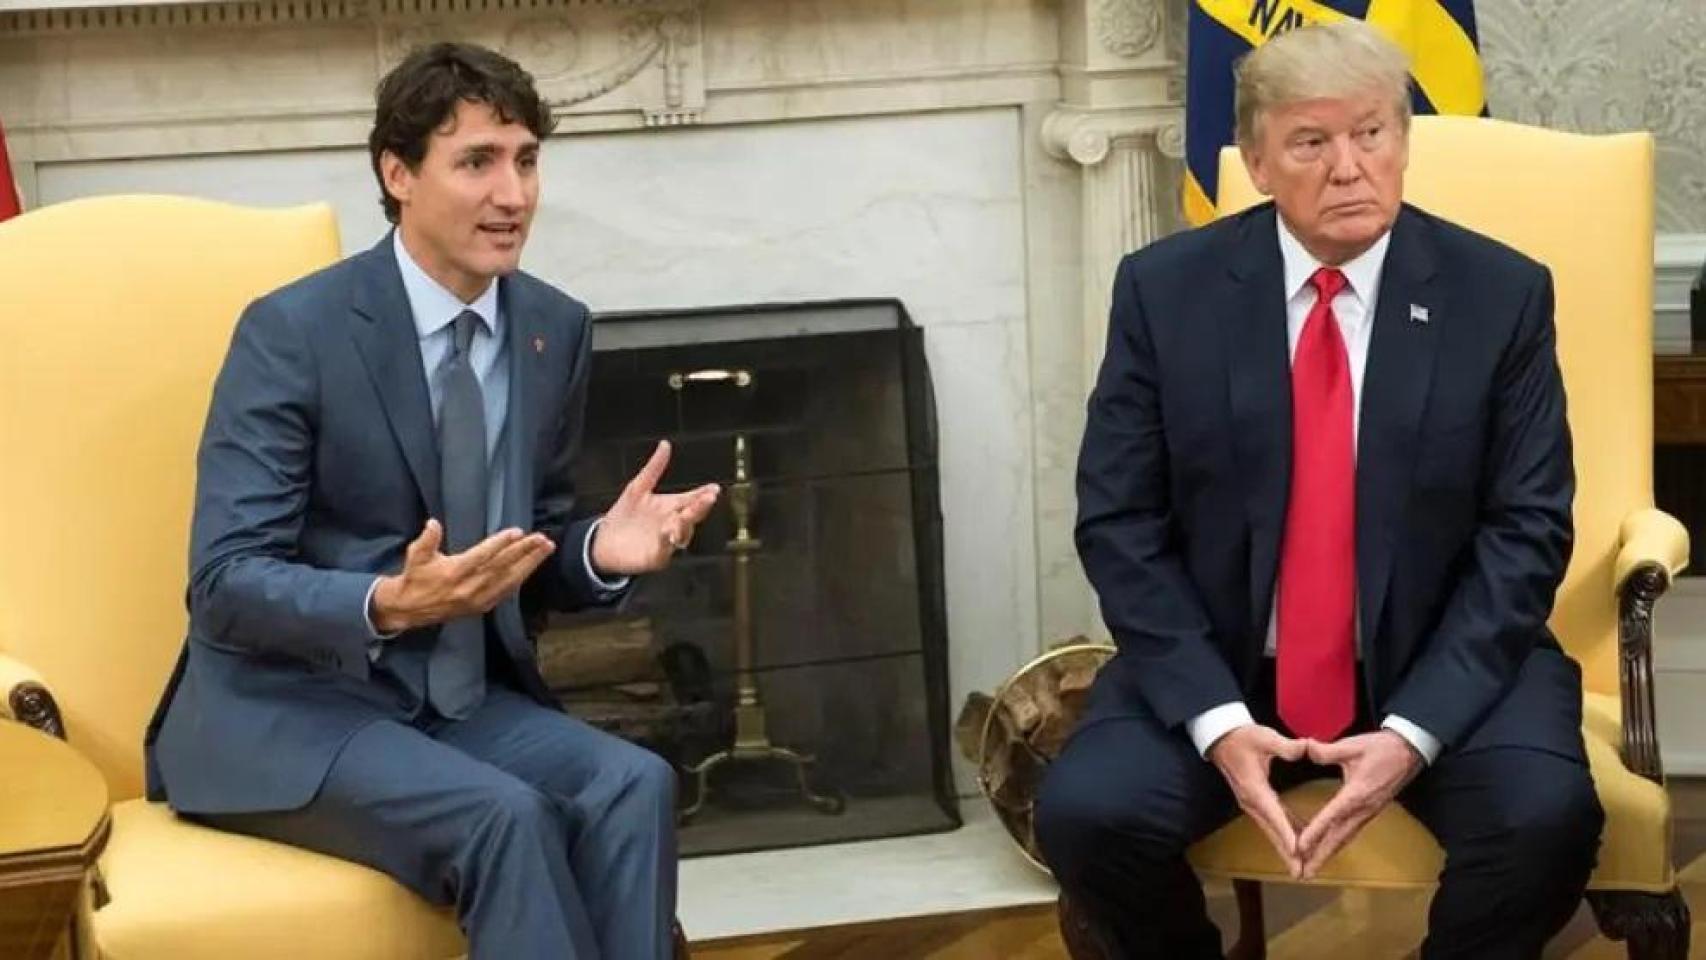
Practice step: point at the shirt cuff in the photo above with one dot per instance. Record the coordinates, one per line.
(1208, 727)
(375, 639)
(608, 586)
(1424, 742)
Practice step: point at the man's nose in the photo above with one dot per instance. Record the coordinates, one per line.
(1343, 164)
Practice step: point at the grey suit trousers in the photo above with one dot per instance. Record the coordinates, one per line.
(553, 840)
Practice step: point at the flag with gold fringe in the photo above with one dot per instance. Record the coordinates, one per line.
(1438, 35)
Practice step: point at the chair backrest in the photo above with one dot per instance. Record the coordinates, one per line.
(1582, 205)
(117, 314)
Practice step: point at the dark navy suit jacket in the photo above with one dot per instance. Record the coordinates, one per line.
(1463, 481)
(318, 465)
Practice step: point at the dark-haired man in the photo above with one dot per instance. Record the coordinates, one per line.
(382, 479)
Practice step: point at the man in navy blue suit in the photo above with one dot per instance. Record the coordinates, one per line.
(1324, 498)
(382, 500)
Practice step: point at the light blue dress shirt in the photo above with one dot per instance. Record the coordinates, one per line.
(434, 308)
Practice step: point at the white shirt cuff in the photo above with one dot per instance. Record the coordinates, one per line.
(1425, 743)
(608, 586)
(374, 637)
(1208, 727)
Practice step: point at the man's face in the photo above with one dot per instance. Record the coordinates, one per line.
(465, 213)
(1335, 168)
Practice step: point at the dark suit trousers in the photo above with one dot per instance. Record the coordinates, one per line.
(553, 839)
(1126, 798)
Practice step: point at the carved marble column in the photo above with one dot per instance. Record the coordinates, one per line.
(1123, 199)
(1118, 120)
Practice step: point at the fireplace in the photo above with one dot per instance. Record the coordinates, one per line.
(792, 663)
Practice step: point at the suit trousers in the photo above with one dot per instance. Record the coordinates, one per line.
(1127, 797)
(553, 840)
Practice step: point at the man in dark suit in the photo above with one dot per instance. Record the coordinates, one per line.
(382, 499)
(1324, 497)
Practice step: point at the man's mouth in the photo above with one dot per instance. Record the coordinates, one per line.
(1348, 207)
(501, 229)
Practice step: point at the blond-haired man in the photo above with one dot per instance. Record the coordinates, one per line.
(1324, 497)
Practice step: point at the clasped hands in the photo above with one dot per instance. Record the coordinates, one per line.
(1376, 766)
(639, 534)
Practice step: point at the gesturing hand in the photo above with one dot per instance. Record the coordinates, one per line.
(434, 587)
(644, 528)
(1376, 766)
(1243, 758)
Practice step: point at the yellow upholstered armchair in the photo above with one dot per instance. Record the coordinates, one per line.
(1582, 205)
(117, 314)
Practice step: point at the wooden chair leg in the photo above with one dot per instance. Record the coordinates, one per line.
(1654, 925)
(1252, 941)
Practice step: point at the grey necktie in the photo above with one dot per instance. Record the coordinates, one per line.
(456, 671)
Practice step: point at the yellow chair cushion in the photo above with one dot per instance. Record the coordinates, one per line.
(1396, 851)
(181, 891)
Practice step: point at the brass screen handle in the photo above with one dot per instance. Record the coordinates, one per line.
(740, 378)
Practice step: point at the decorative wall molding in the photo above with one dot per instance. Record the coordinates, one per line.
(1127, 28)
(551, 46)
(231, 77)
(1677, 259)
(1120, 152)
(1087, 136)
(38, 17)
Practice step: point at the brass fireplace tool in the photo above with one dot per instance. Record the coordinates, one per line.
(751, 742)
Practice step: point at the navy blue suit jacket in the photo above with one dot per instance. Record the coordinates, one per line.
(318, 465)
(1463, 480)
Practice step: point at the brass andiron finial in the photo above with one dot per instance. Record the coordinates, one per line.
(752, 742)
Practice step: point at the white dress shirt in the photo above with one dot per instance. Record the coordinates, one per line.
(1353, 307)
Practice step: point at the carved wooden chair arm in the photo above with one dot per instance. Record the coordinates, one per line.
(1653, 550)
(26, 699)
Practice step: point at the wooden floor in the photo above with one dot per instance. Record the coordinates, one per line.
(1302, 924)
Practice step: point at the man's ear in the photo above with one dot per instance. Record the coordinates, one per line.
(399, 180)
(1255, 165)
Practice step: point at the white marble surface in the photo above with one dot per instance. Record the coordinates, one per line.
(973, 868)
(926, 208)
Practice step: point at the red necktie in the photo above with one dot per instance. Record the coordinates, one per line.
(1317, 572)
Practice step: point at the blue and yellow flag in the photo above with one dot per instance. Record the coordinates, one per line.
(1439, 36)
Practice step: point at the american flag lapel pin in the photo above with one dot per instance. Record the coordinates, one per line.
(1418, 313)
(538, 344)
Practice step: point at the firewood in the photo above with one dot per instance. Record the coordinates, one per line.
(599, 654)
(968, 729)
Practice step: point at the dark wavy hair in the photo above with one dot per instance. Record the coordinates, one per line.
(422, 92)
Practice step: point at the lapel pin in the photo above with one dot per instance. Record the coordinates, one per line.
(539, 343)
(1418, 313)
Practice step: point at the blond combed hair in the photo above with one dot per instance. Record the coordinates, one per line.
(1320, 61)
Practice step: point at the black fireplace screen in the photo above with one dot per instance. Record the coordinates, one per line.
(792, 664)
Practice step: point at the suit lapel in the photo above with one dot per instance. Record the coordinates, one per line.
(1259, 382)
(1394, 395)
(523, 320)
(385, 336)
